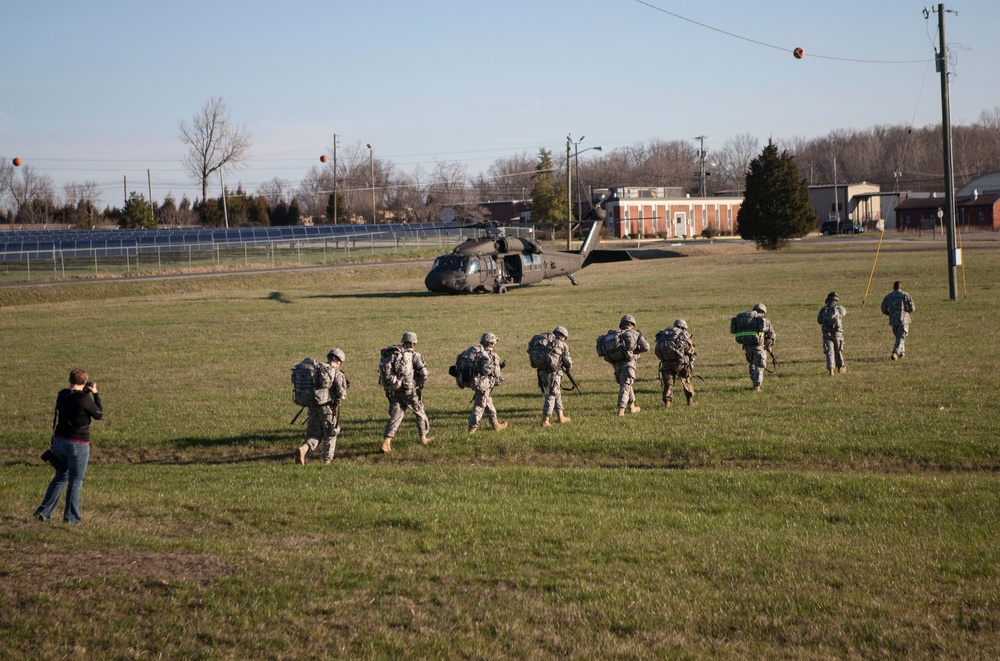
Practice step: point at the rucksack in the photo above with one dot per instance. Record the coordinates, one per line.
(468, 366)
(305, 376)
(611, 346)
(395, 369)
(748, 328)
(543, 352)
(832, 319)
(671, 345)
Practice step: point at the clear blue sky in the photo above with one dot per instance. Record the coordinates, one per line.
(95, 91)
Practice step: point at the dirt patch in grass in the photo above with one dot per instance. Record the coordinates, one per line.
(47, 570)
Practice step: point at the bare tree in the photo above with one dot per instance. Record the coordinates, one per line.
(215, 143)
(81, 195)
(32, 195)
(275, 191)
(733, 160)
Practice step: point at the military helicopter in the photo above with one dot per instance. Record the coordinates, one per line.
(495, 265)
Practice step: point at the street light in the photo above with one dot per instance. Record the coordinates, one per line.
(579, 201)
(371, 165)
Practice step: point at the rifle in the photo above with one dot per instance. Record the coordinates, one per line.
(297, 415)
(774, 359)
(569, 375)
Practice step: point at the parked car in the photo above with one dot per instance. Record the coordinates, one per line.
(844, 227)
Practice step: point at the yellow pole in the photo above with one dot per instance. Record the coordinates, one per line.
(872, 275)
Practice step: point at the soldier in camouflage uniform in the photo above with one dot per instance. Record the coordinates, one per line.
(897, 305)
(635, 344)
(487, 377)
(324, 419)
(831, 319)
(550, 381)
(409, 395)
(683, 368)
(756, 355)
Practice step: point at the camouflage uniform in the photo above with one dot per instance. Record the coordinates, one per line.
(409, 396)
(487, 377)
(550, 381)
(635, 344)
(756, 355)
(671, 370)
(898, 305)
(833, 333)
(323, 419)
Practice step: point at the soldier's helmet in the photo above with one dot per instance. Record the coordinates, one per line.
(409, 337)
(488, 338)
(627, 319)
(336, 354)
(760, 307)
(832, 296)
(561, 330)
(680, 323)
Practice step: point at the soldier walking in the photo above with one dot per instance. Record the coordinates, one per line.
(550, 356)
(897, 305)
(831, 319)
(486, 377)
(631, 344)
(330, 388)
(754, 331)
(402, 374)
(675, 349)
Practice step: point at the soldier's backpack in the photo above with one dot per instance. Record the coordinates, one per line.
(611, 346)
(468, 367)
(304, 377)
(395, 369)
(832, 319)
(543, 352)
(671, 345)
(748, 328)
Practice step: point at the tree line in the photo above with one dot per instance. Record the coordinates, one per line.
(363, 188)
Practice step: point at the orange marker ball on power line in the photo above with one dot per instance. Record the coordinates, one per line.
(322, 159)
(799, 53)
(16, 162)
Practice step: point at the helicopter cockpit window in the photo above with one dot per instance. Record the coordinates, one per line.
(450, 264)
(473, 265)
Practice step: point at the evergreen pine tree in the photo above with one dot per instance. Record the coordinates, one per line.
(776, 207)
(547, 196)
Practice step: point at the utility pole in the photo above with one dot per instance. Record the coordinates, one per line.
(569, 194)
(225, 211)
(371, 165)
(954, 253)
(701, 158)
(334, 178)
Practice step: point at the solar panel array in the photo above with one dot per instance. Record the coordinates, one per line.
(23, 245)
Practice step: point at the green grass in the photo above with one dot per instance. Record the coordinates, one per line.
(845, 516)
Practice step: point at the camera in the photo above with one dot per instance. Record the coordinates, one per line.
(90, 385)
(51, 457)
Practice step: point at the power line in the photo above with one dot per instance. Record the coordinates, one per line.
(767, 45)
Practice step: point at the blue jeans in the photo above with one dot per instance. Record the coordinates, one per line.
(75, 457)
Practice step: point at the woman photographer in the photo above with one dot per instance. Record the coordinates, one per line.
(75, 407)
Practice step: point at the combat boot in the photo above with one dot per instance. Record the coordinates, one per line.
(621, 412)
(499, 426)
(473, 429)
(756, 388)
(300, 454)
(545, 421)
(843, 368)
(832, 372)
(633, 408)
(894, 356)
(426, 440)
(563, 418)
(387, 444)
(666, 403)
(692, 401)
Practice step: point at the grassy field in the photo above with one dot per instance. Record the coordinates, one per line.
(854, 515)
